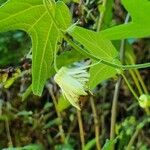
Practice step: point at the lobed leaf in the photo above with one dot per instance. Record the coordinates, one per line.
(33, 18)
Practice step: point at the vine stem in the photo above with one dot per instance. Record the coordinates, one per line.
(84, 52)
(137, 78)
(130, 87)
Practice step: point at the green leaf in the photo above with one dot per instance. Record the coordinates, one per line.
(138, 27)
(108, 14)
(61, 11)
(33, 18)
(98, 46)
(100, 73)
(101, 48)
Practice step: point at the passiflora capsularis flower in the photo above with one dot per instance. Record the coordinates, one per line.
(73, 83)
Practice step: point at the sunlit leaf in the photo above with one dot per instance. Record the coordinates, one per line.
(33, 18)
(137, 27)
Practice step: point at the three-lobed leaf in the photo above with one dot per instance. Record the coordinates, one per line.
(33, 18)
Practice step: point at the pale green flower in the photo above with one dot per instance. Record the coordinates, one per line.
(72, 82)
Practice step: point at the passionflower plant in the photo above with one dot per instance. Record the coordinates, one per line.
(73, 83)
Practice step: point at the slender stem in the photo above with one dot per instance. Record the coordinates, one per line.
(101, 16)
(81, 129)
(133, 74)
(136, 72)
(84, 52)
(62, 134)
(130, 87)
(116, 92)
(96, 123)
(136, 81)
(141, 82)
(10, 143)
(114, 109)
(134, 136)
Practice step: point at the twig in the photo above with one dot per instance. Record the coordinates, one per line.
(49, 87)
(81, 129)
(96, 123)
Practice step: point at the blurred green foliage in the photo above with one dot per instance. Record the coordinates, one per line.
(13, 46)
